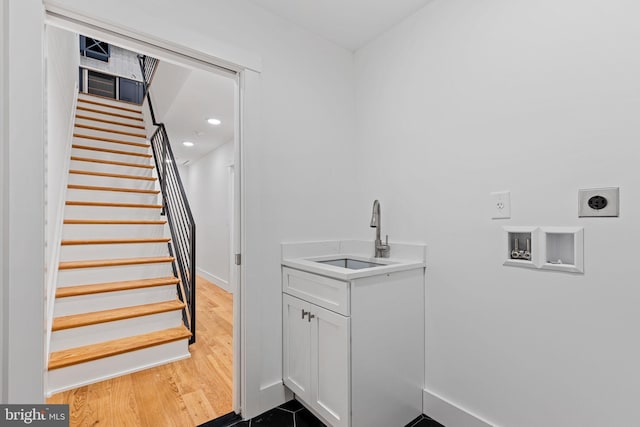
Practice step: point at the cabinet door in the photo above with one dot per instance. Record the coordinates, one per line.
(331, 365)
(296, 337)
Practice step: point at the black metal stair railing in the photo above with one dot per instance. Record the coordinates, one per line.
(148, 66)
(175, 207)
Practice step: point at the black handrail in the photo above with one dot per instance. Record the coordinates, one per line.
(175, 207)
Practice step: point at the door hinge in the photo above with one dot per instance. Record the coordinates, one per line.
(238, 259)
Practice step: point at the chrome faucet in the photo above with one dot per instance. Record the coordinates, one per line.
(381, 249)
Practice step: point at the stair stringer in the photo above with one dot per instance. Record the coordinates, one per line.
(54, 256)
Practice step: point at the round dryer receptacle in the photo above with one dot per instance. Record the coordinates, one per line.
(597, 202)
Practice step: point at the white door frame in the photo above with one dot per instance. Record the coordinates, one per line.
(235, 269)
(22, 143)
(238, 65)
(3, 169)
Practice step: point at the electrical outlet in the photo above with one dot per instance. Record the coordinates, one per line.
(599, 202)
(501, 205)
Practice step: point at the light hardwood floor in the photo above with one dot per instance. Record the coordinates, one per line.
(180, 394)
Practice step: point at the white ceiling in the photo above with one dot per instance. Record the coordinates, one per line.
(348, 23)
(201, 96)
(190, 97)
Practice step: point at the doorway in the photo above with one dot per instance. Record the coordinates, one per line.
(188, 380)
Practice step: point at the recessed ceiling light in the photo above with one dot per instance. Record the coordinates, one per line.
(188, 144)
(214, 122)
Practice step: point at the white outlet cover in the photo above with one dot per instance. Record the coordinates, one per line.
(500, 205)
(611, 195)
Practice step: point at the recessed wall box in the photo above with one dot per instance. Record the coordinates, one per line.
(599, 202)
(522, 247)
(562, 249)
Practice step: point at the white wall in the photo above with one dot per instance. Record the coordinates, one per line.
(539, 98)
(295, 175)
(62, 60)
(207, 186)
(167, 82)
(23, 204)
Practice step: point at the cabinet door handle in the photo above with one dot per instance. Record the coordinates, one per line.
(311, 316)
(304, 313)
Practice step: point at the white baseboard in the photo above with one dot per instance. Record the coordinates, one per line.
(448, 413)
(221, 283)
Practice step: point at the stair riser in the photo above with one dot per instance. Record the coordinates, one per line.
(112, 196)
(103, 369)
(93, 334)
(113, 231)
(104, 109)
(109, 181)
(111, 251)
(108, 101)
(98, 212)
(138, 160)
(109, 168)
(87, 276)
(110, 126)
(112, 300)
(112, 145)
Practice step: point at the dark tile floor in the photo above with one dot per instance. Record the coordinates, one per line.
(290, 414)
(424, 421)
(293, 414)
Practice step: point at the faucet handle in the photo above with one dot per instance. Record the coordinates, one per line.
(383, 249)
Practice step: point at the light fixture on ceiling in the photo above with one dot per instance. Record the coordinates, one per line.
(214, 122)
(188, 144)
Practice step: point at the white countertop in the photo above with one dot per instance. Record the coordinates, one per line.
(304, 256)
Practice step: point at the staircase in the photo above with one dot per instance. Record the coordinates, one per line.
(116, 309)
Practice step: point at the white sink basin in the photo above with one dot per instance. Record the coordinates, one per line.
(351, 264)
(351, 259)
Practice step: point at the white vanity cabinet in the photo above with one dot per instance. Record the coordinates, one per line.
(316, 358)
(353, 349)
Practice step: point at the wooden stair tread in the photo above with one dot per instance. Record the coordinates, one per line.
(112, 204)
(116, 221)
(96, 317)
(118, 189)
(110, 162)
(95, 95)
(88, 353)
(98, 288)
(100, 129)
(68, 265)
(113, 175)
(109, 113)
(111, 122)
(112, 140)
(104, 104)
(108, 150)
(76, 242)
